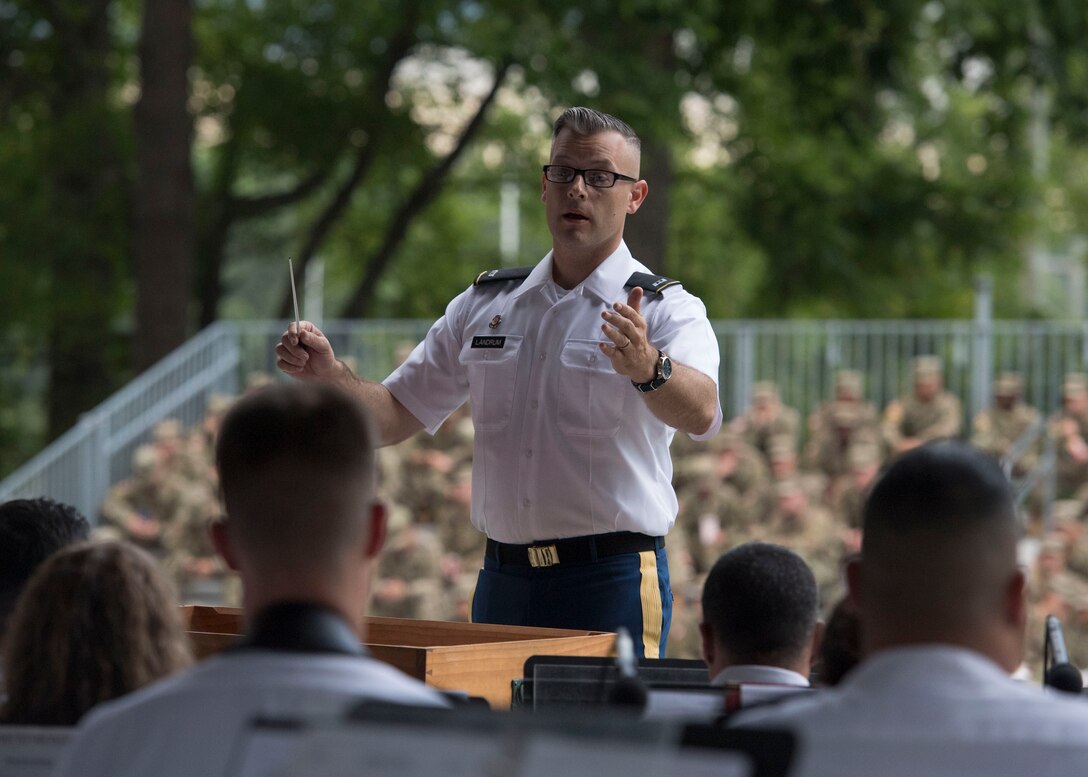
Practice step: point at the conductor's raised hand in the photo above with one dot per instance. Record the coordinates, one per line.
(306, 353)
(630, 349)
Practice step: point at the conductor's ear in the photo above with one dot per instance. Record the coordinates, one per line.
(854, 582)
(223, 544)
(379, 524)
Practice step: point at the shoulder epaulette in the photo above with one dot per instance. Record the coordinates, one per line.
(654, 283)
(505, 274)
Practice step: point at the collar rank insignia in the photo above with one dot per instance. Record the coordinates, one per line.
(495, 322)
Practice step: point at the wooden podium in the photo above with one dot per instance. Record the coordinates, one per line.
(478, 658)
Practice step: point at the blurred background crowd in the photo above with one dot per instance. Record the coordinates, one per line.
(795, 476)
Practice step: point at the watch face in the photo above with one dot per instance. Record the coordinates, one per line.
(666, 367)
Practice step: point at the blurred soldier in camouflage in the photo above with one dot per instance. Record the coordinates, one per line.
(849, 495)
(810, 530)
(839, 424)
(409, 583)
(786, 466)
(927, 413)
(139, 508)
(766, 418)
(1059, 592)
(1002, 424)
(190, 556)
(1069, 430)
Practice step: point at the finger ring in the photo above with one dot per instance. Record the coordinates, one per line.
(621, 347)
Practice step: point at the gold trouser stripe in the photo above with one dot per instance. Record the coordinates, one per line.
(650, 593)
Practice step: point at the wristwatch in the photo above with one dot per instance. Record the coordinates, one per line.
(662, 373)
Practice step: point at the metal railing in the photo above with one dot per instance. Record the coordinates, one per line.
(800, 356)
(803, 356)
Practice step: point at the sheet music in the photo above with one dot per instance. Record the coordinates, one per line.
(31, 751)
(546, 754)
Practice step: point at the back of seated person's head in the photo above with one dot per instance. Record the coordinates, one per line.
(31, 530)
(840, 648)
(938, 561)
(760, 606)
(297, 473)
(96, 621)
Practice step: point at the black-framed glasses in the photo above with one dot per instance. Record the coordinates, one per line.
(598, 179)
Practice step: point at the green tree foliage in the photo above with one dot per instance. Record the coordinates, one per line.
(64, 235)
(814, 158)
(861, 164)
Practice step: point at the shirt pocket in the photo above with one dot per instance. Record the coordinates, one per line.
(491, 376)
(592, 395)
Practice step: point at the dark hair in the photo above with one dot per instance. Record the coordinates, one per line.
(296, 469)
(586, 121)
(31, 530)
(840, 648)
(940, 534)
(762, 603)
(96, 621)
(942, 488)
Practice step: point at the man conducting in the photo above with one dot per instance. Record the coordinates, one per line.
(580, 370)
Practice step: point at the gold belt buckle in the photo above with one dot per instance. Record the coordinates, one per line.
(543, 555)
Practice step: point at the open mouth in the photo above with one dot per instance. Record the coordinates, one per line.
(572, 215)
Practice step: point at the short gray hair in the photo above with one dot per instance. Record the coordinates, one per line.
(586, 121)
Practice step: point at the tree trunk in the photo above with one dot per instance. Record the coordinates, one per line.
(164, 185)
(88, 198)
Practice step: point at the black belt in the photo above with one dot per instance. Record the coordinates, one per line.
(572, 550)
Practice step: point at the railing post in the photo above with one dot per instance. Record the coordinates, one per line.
(743, 369)
(982, 356)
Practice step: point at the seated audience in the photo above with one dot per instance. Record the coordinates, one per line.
(760, 617)
(303, 529)
(31, 530)
(96, 621)
(941, 605)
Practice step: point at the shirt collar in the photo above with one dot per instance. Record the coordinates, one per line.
(756, 673)
(940, 665)
(606, 282)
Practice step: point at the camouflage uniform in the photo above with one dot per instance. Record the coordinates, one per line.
(409, 580)
(839, 424)
(810, 530)
(1057, 591)
(1069, 430)
(724, 505)
(139, 509)
(767, 418)
(999, 426)
(784, 466)
(200, 573)
(928, 413)
(851, 491)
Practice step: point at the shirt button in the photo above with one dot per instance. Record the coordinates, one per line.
(529, 453)
(593, 359)
(542, 356)
(526, 504)
(534, 404)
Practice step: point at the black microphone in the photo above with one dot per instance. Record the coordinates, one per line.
(629, 691)
(1061, 674)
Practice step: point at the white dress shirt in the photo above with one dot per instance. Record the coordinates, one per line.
(192, 723)
(931, 710)
(563, 446)
(757, 673)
